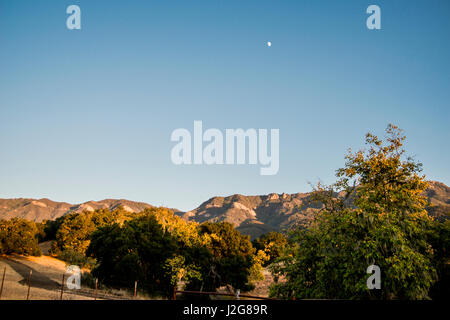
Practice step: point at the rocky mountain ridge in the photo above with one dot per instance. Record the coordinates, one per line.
(252, 215)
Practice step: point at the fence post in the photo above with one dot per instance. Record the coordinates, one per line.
(95, 291)
(29, 284)
(135, 289)
(3, 280)
(62, 287)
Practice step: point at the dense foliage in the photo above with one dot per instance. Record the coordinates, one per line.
(440, 241)
(272, 243)
(385, 224)
(19, 236)
(74, 230)
(136, 251)
(228, 260)
(159, 250)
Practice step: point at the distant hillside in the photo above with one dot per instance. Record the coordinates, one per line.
(45, 209)
(439, 199)
(252, 215)
(256, 215)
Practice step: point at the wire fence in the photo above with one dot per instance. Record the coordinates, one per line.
(236, 295)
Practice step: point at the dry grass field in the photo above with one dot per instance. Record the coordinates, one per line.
(46, 280)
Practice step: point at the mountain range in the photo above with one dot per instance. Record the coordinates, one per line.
(252, 215)
(46, 209)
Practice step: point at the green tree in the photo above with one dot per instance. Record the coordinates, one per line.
(440, 241)
(51, 228)
(141, 250)
(73, 231)
(272, 243)
(176, 269)
(228, 261)
(385, 223)
(41, 236)
(186, 233)
(73, 234)
(19, 236)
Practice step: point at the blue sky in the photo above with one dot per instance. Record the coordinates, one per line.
(87, 114)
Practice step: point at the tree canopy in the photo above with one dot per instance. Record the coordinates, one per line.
(159, 250)
(272, 243)
(136, 251)
(385, 224)
(229, 258)
(19, 236)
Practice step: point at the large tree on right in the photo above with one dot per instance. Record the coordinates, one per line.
(373, 215)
